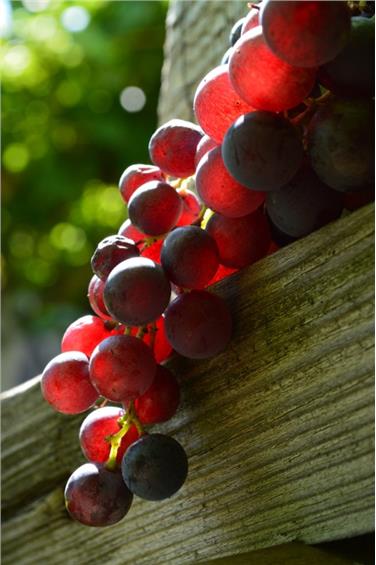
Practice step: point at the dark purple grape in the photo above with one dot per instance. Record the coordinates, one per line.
(155, 467)
(303, 205)
(262, 151)
(137, 291)
(110, 252)
(340, 144)
(189, 257)
(95, 496)
(352, 72)
(236, 31)
(198, 324)
(155, 208)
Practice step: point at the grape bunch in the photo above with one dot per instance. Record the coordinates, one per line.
(284, 143)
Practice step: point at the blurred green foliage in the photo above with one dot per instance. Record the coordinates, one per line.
(66, 140)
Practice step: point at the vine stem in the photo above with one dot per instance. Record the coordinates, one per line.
(125, 421)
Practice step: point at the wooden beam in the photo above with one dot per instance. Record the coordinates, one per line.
(278, 429)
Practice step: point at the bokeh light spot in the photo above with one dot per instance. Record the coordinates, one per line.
(35, 5)
(132, 99)
(67, 237)
(68, 93)
(16, 157)
(16, 60)
(21, 244)
(75, 18)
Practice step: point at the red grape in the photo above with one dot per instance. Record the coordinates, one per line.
(153, 251)
(128, 230)
(85, 333)
(305, 34)
(66, 385)
(355, 200)
(221, 192)
(240, 241)
(251, 20)
(217, 105)
(155, 208)
(222, 273)
(96, 427)
(162, 348)
(198, 324)
(173, 147)
(111, 251)
(263, 80)
(203, 147)
(137, 292)
(122, 368)
(160, 402)
(95, 295)
(189, 257)
(136, 175)
(191, 207)
(95, 496)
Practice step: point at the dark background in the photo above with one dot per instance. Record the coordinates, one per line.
(65, 141)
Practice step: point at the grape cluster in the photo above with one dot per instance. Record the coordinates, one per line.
(284, 136)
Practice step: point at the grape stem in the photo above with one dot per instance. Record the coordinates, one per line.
(153, 332)
(128, 330)
(125, 421)
(142, 330)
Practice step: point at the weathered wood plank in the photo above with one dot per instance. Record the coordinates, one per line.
(287, 554)
(278, 429)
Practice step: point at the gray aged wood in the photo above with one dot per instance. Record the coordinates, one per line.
(278, 429)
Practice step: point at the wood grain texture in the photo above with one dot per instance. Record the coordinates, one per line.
(278, 429)
(287, 554)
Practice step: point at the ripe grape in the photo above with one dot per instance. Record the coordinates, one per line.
(355, 200)
(303, 205)
(122, 368)
(216, 104)
(263, 80)
(191, 207)
(66, 385)
(85, 333)
(198, 324)
(235, 31)
(222, 273)
(162, 348)
(111, 251)
(352, 72)
(153, 251)
(341, 144)
(251, 20)
(173, 146)
(203, 147)
(262, 151)
(95, 496)
(305, 34)
(136, 175)
(137, 292)
(160, 402)
(95, 295)
(220, 191)
(189, 257)
(99, 425)
(155, 208)
(128, 230)
(226, 56)
(240, 241)
(155, 467)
